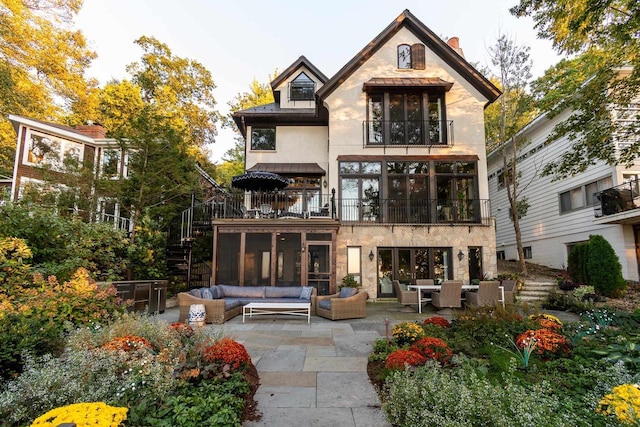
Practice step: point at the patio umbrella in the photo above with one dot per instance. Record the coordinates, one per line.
(259, 181)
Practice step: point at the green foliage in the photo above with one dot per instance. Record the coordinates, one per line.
(603, 266)
(475, 330)
(349, 281)
(14, 270)
(434, 396)
(577, 263)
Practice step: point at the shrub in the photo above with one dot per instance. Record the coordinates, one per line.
(605, 271)
(433, 348)
(400, 359)
(547, 321)
(407, 333)
(577, 263)
(227, 352)
(432, 396)
(547, 342)
(437, 320)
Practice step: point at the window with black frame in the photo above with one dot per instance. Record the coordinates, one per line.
(406, 118)
(302, 88)
(263, 139)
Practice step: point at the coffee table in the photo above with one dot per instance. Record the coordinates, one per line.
(288, 308)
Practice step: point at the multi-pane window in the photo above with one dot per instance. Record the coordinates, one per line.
(584, 195)
(263, 139)
(456, 190)
(528, 253)
(110, 163)
(360, 190)
(406, 118)
(302, 88)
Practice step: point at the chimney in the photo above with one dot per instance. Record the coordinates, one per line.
(92, 130)
(454, 43)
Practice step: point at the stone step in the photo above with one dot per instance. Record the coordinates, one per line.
(536, 292)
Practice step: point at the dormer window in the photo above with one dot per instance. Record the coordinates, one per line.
(302, 88)
(411, 57)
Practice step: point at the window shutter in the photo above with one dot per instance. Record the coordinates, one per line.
(418, 56)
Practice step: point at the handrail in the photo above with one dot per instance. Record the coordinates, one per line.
(384, 133)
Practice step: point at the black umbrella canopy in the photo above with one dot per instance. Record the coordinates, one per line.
(259, 181)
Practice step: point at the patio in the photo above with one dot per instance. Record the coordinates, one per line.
(316, 374)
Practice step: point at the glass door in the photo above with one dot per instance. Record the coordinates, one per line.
(319, 266)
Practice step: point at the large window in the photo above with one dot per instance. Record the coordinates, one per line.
(408, 264)
(110, 163)
(302, 88)
(414, 192)
(406, 118)
(45, 150)
(263, 139)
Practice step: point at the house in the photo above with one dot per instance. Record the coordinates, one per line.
(386, 168)
(46, 153)
(601, 200)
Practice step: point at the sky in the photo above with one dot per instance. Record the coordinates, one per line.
(242, 40)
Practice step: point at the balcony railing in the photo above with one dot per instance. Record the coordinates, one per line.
(621, 198)
(402, 211)
(408, 133)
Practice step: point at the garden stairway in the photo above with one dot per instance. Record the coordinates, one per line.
(536, 292)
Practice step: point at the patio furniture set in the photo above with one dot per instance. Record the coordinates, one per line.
(223, 302)
(455, 294)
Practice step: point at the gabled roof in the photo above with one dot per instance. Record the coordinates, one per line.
(62, 130)
(291, 69)
(430, 40)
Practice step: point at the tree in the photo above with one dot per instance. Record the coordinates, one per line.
(505, 118)
(42, 64)
(606, 73)
(233, 159)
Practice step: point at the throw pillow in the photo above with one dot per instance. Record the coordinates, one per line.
(347, 292)
(325, 304)
(306, 292)
(206, 294)
(196, 293)
(215, 292)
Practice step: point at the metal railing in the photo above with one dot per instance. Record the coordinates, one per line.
(403, 211)
(621, 198)
(407, 133)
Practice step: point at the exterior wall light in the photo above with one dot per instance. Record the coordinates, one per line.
(371, 255)
(460, 255)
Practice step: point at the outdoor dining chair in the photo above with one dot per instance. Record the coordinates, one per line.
(406, 298)
(488, 295)
(449, 295)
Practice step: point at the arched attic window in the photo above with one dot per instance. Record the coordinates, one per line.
(411, 57)
(302, 88)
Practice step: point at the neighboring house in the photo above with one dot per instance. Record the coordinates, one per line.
(387, 169)
(601, 200)
(45, 152)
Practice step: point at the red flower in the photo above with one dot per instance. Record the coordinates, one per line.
(547, 341)
(433, 348)
(401, 358)
(228, 352)
(182, 328)
(437, 320)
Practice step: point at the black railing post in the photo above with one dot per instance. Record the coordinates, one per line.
(333, 203)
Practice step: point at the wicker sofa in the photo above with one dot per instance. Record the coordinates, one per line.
(337, 307)
(223, 302)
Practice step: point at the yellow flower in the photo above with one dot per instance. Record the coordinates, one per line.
(623, 402)
(83, 415)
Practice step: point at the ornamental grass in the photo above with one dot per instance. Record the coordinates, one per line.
(96, 414)
(227, 352)
(400, 359)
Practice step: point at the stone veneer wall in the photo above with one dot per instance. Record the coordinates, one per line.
(458, 237)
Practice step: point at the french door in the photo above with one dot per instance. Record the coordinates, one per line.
(408, 264)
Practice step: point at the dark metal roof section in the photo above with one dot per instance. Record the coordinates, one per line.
(289, 168)
(302, 61)
(272, 114)
(430, 40)
(396, 82)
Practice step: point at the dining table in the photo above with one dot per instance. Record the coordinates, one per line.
(420, 288)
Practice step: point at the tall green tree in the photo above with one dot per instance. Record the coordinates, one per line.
(42, 64)
(512, 70)
(605, 72)
(233, 159)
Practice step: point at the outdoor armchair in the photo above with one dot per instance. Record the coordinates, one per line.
(449, 295)
(509, 291)
(353, 307)
(406, 298)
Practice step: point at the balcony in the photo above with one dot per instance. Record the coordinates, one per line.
(619, 204)
(380, 133)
